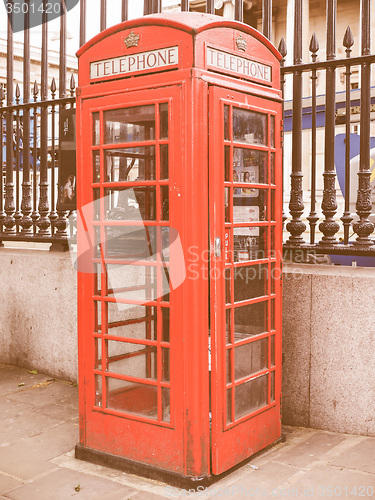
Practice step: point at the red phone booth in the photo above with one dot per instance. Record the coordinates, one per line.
(179, 243)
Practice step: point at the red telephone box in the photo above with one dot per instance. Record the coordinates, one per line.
(179, 240)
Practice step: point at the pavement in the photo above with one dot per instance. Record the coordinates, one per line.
(39, 430)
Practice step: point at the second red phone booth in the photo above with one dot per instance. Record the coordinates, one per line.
(179, 243)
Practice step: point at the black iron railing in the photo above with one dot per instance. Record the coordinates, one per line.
(31, 132)
(334, 231)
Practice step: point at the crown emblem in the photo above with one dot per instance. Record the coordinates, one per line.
(132, 40)
(241, 43)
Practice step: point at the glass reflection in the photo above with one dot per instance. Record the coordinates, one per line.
(130, 164)
(249, 127)
(130, 124)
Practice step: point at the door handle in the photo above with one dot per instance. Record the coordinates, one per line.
(217, 246)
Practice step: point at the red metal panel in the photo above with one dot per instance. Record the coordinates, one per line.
(233, 442)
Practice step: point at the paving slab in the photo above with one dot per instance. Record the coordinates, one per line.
(22, 421)
(48, 393)
(325, 481)
(8, 483)
(360, 457)
(65, 484)
(18, 379)
(313, 446)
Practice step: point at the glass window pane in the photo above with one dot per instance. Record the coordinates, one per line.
(227, 191)
(98, 316)
(272, 131)
(165, 324)
(250, 282)
(251, 208)
(166, 403)
(164, 193)
(228, 315)
(131, 282)
(228, 286)
(272, 168)
(250, 320)
(251, 167)
(98, 390)
(130, 164)
(227, 164)
(95, 129)
(135, 360)
(130, 321)
(163, 110)
(229, 406)
(249, 127)
(130, 124)
(98, 354)
(131, 242)
(250, 243)
(250, 358)
(229, 366)
(164, 161)
(251, 396)
(138, 203)
(272, 387)
(226, 123)
(95, 166)
(165, 364)
(139, 399)
(272, 350)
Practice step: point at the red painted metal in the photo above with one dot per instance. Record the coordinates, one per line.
(123, 412)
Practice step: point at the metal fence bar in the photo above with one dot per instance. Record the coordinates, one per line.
(313, 218)
(364, 227)
(2, 213)
(43, 222)
(238, 10)
(296, 227)
(17, 144)
(347, 217)
(26, 206)
(185, 5)
(329, 227)
(124, 10)
(210, 7)
(82, 22)
(103, 15)
(9, 221)
(267, 18)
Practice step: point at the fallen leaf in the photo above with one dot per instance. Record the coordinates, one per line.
(19, 385)
(33, 372)
(78, 487)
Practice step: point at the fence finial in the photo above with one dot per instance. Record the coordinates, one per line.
(282, 48)
(348, 40)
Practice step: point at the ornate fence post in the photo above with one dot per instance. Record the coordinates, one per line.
(364, 227)
(296, 227)
(43, 205)
(2, 213)
(9, 221)
(329, 226)
(26, 205)
(313, 217)
(347, 217)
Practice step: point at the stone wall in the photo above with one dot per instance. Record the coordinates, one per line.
(328, 334)
(329, 348)
(38, 317)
